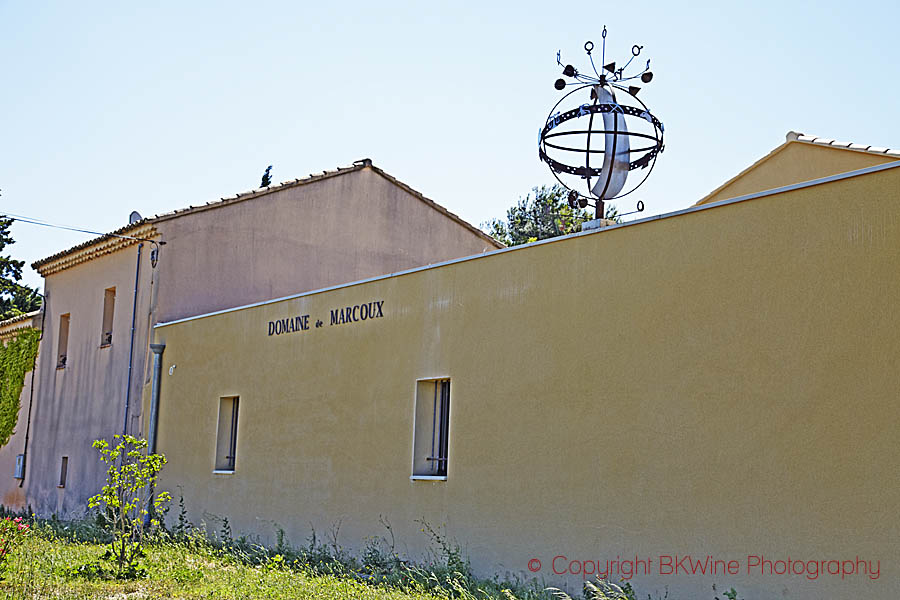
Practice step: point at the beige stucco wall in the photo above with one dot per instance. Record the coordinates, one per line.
(302, 238)
(13, 496)
(85, 400)
(795, 162)
(717, 383)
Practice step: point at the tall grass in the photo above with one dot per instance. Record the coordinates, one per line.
(63, 559)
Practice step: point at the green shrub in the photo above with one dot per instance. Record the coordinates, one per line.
(12, 534)
(126, 501)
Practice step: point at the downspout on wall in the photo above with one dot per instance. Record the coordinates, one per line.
(151, 309)
(154, 417)
(137, 275)
(154, 396)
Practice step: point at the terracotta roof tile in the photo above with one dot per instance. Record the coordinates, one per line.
(795, 136)
(25, 317)
(120, 233)
(811, 139)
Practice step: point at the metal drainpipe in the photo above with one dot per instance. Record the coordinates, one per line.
(31, 392)
(154, 417)
(154, 395)
(137, 274)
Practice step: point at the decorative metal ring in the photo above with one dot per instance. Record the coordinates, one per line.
(555, 120)
(606, 177)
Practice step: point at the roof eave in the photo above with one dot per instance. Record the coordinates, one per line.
(106, 244)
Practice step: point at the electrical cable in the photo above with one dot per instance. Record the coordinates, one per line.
(154, 255)
(34, 221)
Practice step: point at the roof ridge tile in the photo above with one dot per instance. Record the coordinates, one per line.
(254, 193)
(795, 136)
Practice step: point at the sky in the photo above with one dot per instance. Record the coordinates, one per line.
(107, 108)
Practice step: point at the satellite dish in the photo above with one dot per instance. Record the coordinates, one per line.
(134, 217)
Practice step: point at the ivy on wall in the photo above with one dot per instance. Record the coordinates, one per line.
(16, 359)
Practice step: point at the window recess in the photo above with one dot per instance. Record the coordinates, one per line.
(431, 436)
(63, 471)
(226, 438)
(63, 343)
(109, 309)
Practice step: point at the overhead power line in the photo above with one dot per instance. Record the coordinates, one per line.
(42, 223)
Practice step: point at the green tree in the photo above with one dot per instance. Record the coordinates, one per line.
(127, 502)
(543, 213)
(15, 299)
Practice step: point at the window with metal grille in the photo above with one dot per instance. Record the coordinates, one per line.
(431, 437)
(226, 439)
(63, 471)
(109, 309)
(63, 343)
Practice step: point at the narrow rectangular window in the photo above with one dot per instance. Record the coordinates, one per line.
(109, 309)
(226, 439)
(61, 353)
(20, 466)
(63, 471)
(431, 436)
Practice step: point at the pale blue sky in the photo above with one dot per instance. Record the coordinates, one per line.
(112, 107)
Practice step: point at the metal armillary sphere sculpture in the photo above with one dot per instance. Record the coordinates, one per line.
(631, 136)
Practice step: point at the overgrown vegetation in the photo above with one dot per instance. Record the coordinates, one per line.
(189, 563)
(57, 561)
(16, 359)
(13, 532)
